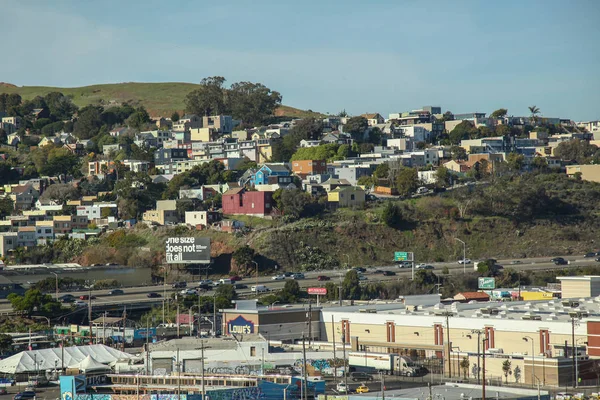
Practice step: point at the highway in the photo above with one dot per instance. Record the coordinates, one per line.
(139, 294)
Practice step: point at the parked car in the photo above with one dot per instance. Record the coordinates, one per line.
(278, 278)
(235, 278)
(179, 285)
(389, 273)
(465, 261)
(323, 278)
(590, 255)
(362, 389)
(24, 395)
(153, 295)
(116, 292)
(86, 297)
(298, 276)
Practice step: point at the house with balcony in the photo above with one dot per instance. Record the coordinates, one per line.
(261, 177)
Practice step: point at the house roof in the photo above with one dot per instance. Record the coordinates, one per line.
(335, 181)
(234, 191)
(370, 115)
(277, 167)
(473, 296)
(21, 188)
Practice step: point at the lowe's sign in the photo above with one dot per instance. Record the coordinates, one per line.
(240, 325)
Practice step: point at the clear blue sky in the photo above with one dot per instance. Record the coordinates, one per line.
(362, 56)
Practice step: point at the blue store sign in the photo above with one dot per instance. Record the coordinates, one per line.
(240, 325)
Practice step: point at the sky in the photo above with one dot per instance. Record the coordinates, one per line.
(361, 56)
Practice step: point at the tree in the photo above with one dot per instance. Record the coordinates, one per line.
(356, 126)
(243, 255)
(540, 163)
(88, 122)
(6, 206)
(515, 162)
(506, 369)
(61, 192)
(60, 161)
(252, 102)
(407, 181)
(534, 110)
(139, 118)
(351, 285)
(443, 177)
(34, 301)
(60, 106)
(464, 365)
(208, 99)
(382, 171)
(175, 116)
(499, 113)
(391, 215)
(375, 136)
(448, 116)
(7, 173)
(307, 129)
(296, 203)
(579, 150)
(463, 131)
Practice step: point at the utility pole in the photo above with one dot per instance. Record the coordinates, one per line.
(309, 322)
(202, 365)
(344, 350)
(304, 377)
(448, 314)
(177, 315)
(215, 313)
(90, 314)
(123, 325)
(574, 351)
(382, 386)
(179, 377)
(334, 355)
(483, 386)
(478, 332)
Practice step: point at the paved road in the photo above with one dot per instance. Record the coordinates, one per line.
(139, 294)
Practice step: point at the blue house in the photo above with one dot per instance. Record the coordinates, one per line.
(261, 177)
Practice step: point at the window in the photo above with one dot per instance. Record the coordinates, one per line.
(252, 351)
(351, 197)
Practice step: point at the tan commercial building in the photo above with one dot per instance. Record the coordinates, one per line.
(575, 287)
(534, 336)
(588, 172)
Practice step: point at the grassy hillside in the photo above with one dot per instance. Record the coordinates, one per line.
(160, 99)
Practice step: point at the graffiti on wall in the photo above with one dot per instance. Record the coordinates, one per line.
(248, 393)
(320, 364)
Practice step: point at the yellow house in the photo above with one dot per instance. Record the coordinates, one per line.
(347, 196)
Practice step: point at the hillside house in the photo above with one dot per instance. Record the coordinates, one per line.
(261, 177)
(346, 196)
(239, 201)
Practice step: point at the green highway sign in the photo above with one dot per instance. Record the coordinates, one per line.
(402, 256)
(487, 283)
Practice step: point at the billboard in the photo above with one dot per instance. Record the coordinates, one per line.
(187, 250)
(487, 283)
(317, 290)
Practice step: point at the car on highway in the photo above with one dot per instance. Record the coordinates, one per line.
(360, 269)
(288, 274)
(111, 264)
(298, 276)
(555, 259)
(24, 395)
(405, 264)
(515, 262)
(188, 292)
(3, 391)
(86, 297)
(425, 266)
(465, 261)
(206, 282)
(360, 376)
(116, 292)
(362, 389)
(597, 259)
(259, 289)
(559, 261)
(67, 298)
(278, 278)
(361, 277)
(80, 303)
(321, 278)
(153, 295)
(341, 388)
(389, 273)
(179, 285)
(235, 278)
(240, 286)
(205, 287)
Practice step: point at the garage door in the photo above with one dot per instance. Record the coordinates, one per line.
(162, 366)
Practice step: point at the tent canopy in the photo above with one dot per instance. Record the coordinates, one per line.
(89, 364)
(49, 359)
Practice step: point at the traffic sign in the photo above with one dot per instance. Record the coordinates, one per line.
(487, 283)
(402, 256)
(317, 290)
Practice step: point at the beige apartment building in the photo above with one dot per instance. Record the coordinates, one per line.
(588, 172)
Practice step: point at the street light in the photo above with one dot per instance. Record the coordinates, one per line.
(530, 339)
(56, 275)
(273, 303)
(256, 264)
(464, 255)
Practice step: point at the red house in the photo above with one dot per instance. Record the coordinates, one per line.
(240, 201)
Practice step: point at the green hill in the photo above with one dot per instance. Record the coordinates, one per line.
(160, 99)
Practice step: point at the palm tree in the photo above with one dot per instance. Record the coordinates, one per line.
(506, 369)
(535, 110)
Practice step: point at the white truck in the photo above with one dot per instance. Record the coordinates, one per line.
(386, 363)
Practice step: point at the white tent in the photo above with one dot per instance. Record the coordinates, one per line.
(48, 359)
(89, 364)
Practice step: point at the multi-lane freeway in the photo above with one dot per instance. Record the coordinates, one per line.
(140, 294)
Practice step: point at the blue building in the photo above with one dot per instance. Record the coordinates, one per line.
(261, 177)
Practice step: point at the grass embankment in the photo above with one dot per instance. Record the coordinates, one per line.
(160, 99)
